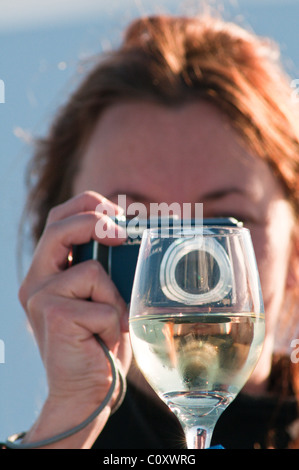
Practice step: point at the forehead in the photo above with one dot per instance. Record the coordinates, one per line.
(148, 148)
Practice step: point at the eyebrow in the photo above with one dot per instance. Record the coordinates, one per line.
(132, 195)
(219, 194)
(210, 196)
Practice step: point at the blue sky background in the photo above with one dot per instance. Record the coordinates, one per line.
(41, 44)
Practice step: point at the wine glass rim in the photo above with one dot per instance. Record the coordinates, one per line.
(197, 230)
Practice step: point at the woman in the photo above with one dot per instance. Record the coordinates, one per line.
(186, 110)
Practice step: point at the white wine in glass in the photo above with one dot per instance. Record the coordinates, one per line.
(197, 321)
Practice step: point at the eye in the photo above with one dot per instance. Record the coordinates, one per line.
(246, 219)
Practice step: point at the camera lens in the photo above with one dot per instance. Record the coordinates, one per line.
(196, 271)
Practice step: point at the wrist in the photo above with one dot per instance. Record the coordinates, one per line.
(58, 417)
(57, 426)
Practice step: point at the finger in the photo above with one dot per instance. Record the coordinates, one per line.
(71, 322)
(59, 237)
(87, 280)
(84, 202)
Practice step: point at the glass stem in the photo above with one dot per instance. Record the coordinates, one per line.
(198, 437)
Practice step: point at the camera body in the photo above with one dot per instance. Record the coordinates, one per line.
(120, 261)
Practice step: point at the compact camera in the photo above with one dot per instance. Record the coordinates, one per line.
(171, 286)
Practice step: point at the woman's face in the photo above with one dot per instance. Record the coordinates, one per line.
(191, 154)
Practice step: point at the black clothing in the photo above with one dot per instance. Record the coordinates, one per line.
(247, 423)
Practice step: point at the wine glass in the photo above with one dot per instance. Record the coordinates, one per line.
(197, 320)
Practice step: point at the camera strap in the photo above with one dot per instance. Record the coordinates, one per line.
(13, 441)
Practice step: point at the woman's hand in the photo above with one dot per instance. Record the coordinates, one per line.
(64, 320)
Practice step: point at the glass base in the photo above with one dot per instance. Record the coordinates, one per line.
(198, 413)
